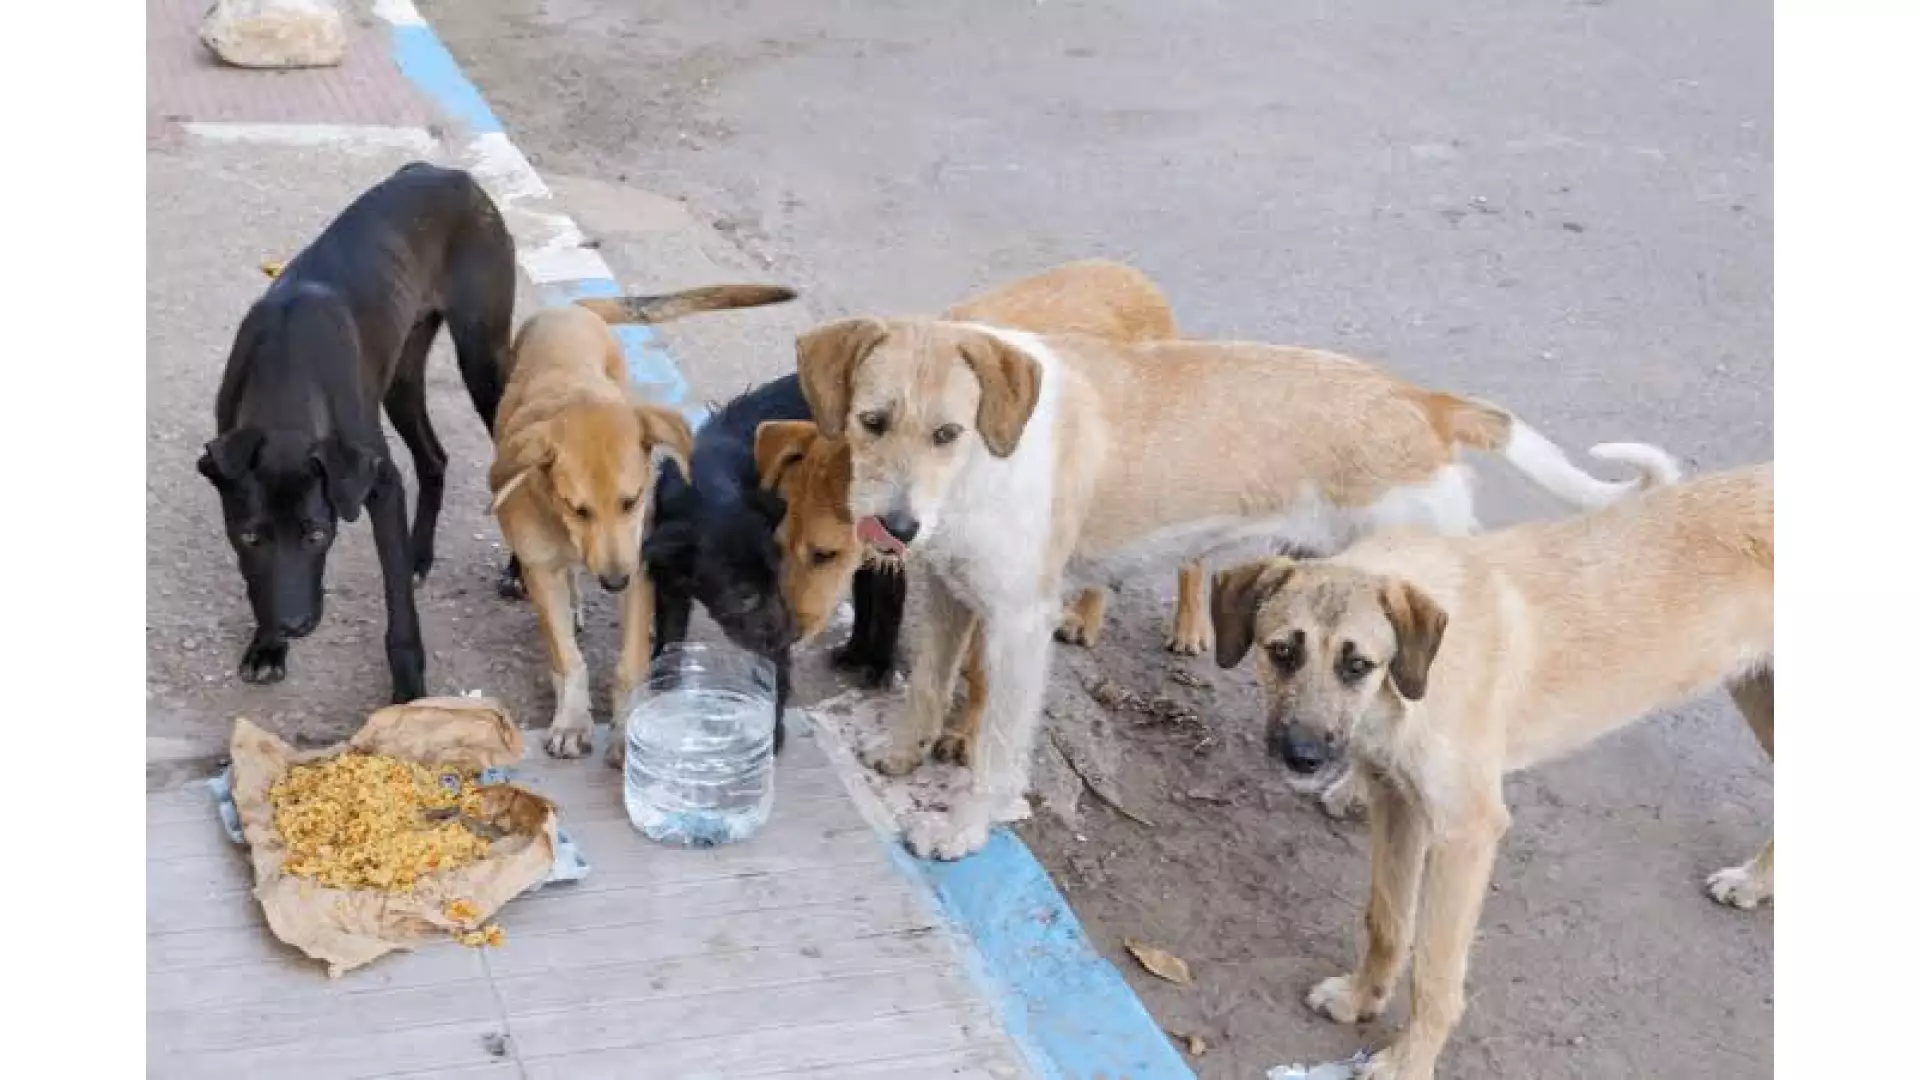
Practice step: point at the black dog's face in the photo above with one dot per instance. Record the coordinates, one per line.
(282, 496)
(730, 562)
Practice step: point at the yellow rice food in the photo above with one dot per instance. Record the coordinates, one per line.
(491, 935)
(361, 821)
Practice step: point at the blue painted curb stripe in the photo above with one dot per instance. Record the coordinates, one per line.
(1070, 1011)
(422, 58)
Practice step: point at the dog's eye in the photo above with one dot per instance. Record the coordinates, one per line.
(316, 536)
(1355, 668)
(627, 504)
(250, 539)
(584, 513)
(1286, 655)
(822, 557)
(945, 434)
(874, 422)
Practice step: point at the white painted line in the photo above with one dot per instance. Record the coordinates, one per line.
(503, 170)
(398, 12)
(350, 136)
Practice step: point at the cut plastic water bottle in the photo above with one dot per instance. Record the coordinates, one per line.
(700, 747)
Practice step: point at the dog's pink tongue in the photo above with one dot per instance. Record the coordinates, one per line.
(870, 531)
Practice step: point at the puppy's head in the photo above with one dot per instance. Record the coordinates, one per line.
(915, 400)
(819, 546)
(712, 546)
(592, 465)
(283, 494)
(1336, 648)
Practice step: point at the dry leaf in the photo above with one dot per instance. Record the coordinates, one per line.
(1196, 1045)
(1161, 962)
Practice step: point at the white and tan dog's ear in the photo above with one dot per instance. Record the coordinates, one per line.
(827, 356)
(520, 455)
(778, 445)
(1238, 593)
(1419, 623)
(665, 430)
(1009, 390)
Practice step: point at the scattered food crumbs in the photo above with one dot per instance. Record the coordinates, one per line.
(1195, 1044)
(272, 268)
(462, 911)
(492, 935)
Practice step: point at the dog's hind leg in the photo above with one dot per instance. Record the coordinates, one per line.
(406, 654)
(480, 321)
(955, 745)
(407, 408)
(1080, 624)
(1015, 653)
(1192, 623)
(1746, 886)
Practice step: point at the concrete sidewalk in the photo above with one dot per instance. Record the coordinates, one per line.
(806, 951)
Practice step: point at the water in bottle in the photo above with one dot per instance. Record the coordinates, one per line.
(700, 747)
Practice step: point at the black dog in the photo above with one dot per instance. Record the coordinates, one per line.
(712, 539)
(345, 329)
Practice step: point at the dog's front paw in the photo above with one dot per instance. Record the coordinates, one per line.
(1337, 1000)
(1743, 887)
(617, 748)
(953, 748)
(1195, 640)
(264, 662)
(1074, 630)
(895, 756)
(570, 740)
(953, 835)
(1346, 798)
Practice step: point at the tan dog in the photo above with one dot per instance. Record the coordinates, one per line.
(1441, 663)
(572, 482)
(1014, 464)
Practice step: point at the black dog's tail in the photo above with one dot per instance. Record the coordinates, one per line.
(658, 309)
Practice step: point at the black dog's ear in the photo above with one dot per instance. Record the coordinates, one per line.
(1237, 596)
(770, 505)
(229, 456)
(349, 472)
(1419, 623)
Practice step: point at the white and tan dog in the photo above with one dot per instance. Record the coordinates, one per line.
(1008, 462)
(1438, 664)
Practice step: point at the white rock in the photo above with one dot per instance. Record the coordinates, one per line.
(276, 33)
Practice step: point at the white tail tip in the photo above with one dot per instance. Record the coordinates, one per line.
(1657, 467)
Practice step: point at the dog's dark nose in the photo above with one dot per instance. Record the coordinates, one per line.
(903, 525)
(614, 582)
(1300, 751)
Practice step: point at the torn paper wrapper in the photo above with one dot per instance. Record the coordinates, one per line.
(1332, 1070)
(348, 928)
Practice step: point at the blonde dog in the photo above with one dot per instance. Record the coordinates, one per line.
(1438, 664)
(1015, 464)
(572, 481)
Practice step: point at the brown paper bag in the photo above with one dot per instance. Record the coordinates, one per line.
(348, 928)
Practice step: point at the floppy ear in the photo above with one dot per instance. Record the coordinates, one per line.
(1419, 624)
(228, 456)
(1237, 596)
(349, 472)
(665, 430)
(827, 357)
(778, 445)
(519, 457)
(1009, 389)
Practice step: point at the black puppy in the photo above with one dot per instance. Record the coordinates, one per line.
(712, 539)
(344, 329)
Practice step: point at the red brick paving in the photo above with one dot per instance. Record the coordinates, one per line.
(186, 82)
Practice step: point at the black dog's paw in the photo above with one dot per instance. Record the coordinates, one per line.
(510, 586)
(779, 733)
(422, 565)
(874, 671)
(264, 663)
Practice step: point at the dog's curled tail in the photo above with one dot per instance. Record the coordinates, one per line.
(1497, 431)
(659, 309)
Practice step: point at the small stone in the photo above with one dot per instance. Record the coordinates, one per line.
(276, 33)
